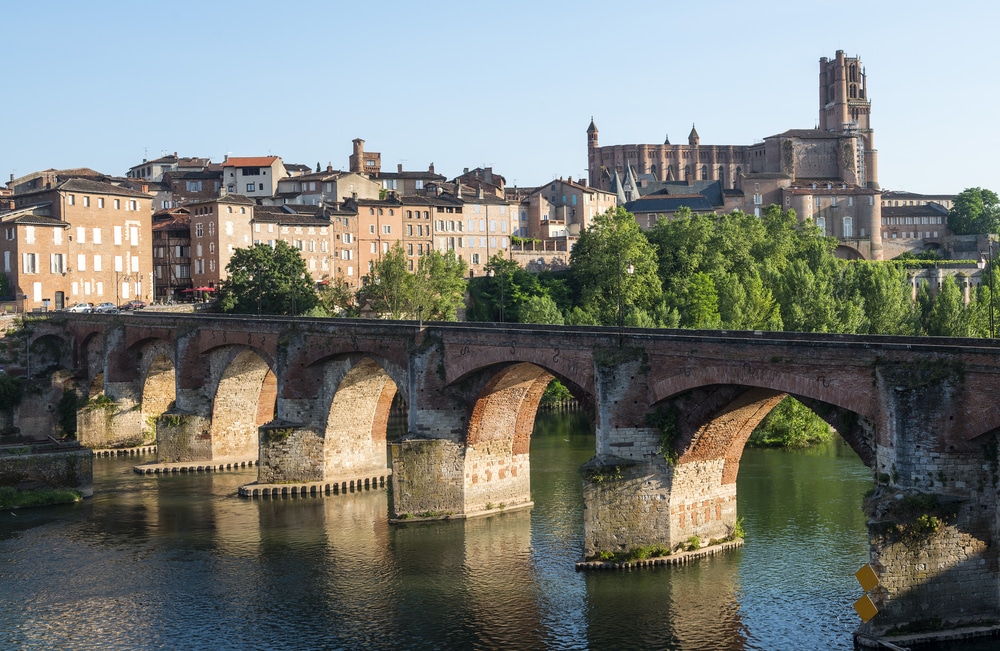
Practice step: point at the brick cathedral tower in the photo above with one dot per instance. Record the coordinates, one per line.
(844, 107)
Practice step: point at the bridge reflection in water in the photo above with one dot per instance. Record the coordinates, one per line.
(180, 561)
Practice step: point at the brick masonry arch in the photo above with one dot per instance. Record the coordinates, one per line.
(504, 411)
(846, 390)
(239, 397)
(357, 416)
(159, 381)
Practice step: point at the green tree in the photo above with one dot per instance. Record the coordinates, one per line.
(614, 264)
(792, 425)
(438, 286)
(336, 298)
(885, 292)
(948, 316)
(699, 303)
(540, 309)
(974, 211)
(746, 304)
(266, 280)
(388, 289)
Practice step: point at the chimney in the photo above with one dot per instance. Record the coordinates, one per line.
(465, 171)
(458, 190)
(430, 168)
(399, 167)
(479, 192)
(329, 167)
(570, 180)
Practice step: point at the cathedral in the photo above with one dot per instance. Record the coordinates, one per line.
(828, 174)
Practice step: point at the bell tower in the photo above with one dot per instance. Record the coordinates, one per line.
(844, 108)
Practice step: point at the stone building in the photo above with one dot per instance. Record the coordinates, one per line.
(828, 175)
(78, 241)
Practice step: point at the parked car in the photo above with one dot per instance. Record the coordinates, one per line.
(106, 308)
(84, 308)
(132, 305)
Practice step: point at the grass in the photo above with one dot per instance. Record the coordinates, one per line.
(11, 498)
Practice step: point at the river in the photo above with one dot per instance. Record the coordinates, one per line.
(182, 562)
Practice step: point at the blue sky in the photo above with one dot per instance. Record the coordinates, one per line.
(510, 85)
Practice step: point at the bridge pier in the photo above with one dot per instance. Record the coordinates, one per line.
(933, 520)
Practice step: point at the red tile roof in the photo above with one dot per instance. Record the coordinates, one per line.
(253, 161)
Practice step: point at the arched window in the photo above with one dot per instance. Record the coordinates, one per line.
(848, 227)
(704, 172)
(821, 225)
(687, 172)
(722, 176)
(652, 170)
(670, 173)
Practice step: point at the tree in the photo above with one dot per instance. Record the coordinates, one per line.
(948, 316)
(540, 309)
(336, 298)
(438, 286)
(886, 294)
(600, 264)
(388, 289)
(265, 280)
(974, 211)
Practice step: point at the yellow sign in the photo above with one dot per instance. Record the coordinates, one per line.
(865, 608)
(867, 578)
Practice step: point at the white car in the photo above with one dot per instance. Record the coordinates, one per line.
(105, 308)
(84, 308)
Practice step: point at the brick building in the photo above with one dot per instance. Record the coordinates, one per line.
(79, 241)
(171, 253)
(218, 227)
(828, 174)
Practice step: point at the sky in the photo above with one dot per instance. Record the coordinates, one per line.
(512, 85)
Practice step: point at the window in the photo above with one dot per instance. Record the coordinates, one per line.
(194, 186)
(251, 187)
(97, 236)
(848, 227)
(117, 230)
(118, 204)
(134, 235)
(29, 263)
(9, 232)
(86, 202)
(100, 202)
(386, 229)
(199, 230)
(57, 263)
(70, 199)
(81, 235)
(133, 204)
(81, 262)
(211, 228)
(250, 171)
(97, 264)
(371, 228)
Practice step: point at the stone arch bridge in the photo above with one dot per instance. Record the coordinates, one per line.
(672, 411)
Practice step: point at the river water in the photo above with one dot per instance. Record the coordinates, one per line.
(182, 562)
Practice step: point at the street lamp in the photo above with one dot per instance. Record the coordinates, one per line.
(629, 269)
(492, 273)
(985, 259)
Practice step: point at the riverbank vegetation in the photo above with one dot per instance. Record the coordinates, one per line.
(11, 498)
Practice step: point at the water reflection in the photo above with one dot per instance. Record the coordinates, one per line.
(180, 561)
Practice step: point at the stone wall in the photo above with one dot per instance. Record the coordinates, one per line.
(71, 469)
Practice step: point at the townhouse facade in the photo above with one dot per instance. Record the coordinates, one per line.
(171, 254)
(218, 227)
(79, 241)
(255, 177)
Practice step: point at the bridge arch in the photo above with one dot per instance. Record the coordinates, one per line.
(244, 399)
(357, 416)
